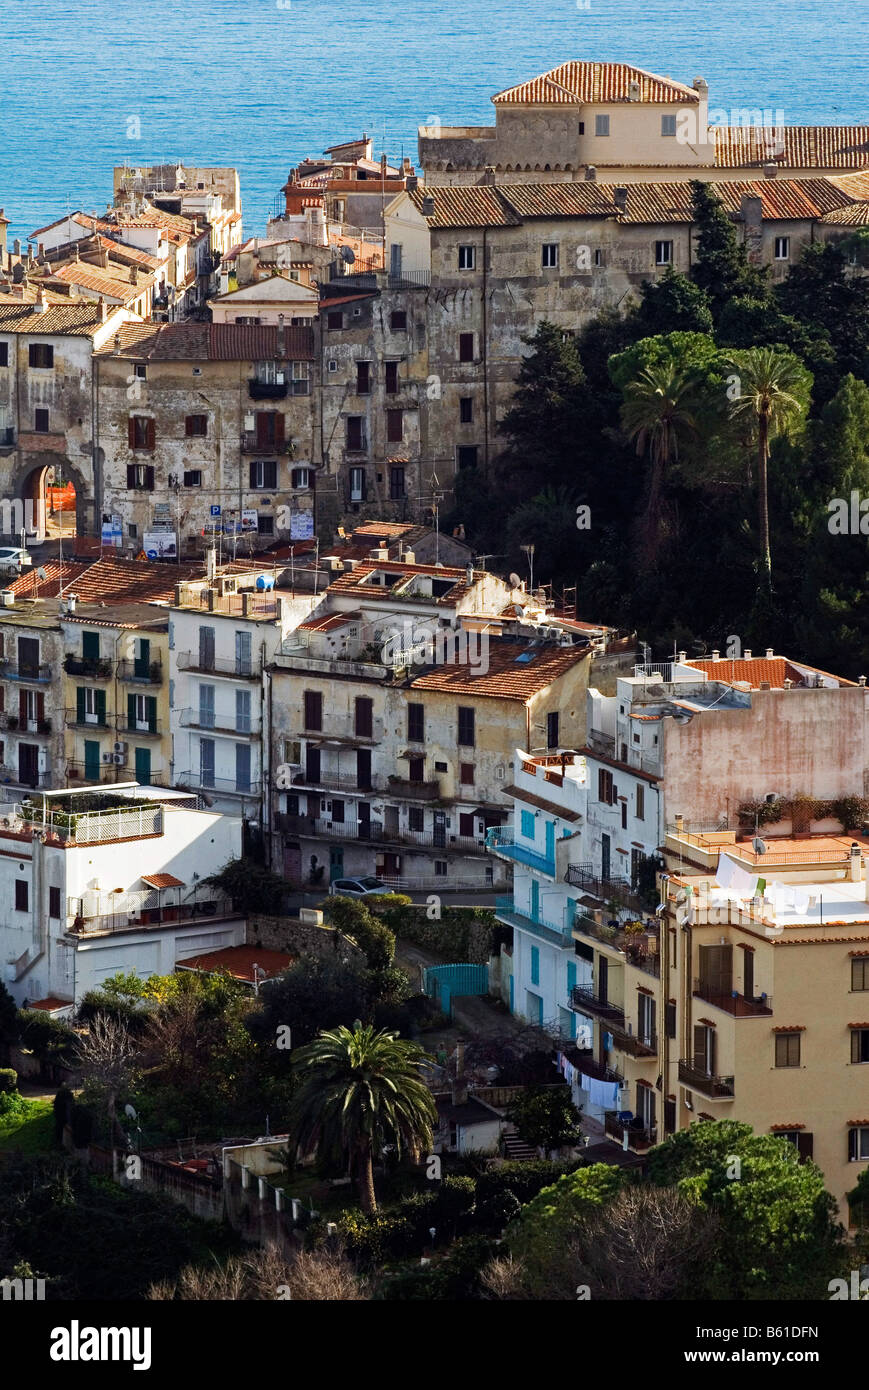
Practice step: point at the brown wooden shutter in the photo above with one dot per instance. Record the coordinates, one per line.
(279, 429)
(699, 1047)
(805, 1145)
(149, 477)
(131, 431)
(40, 705)
(150, 434)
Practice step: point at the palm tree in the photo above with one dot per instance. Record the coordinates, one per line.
(659, 415)
(361, 1090)
(768, 379)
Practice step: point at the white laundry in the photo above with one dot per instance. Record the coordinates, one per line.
(729, 874)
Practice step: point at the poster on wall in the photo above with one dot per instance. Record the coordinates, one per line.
(301, 526)
(112, 530)
(250, 520)
(160, 545)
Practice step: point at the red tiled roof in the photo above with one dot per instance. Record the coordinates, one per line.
(329, 622)
(465, 207)
(101, 280)
(163, 881)
(81, 320)
(129, 581)
(575, 83)
(28, 584)
(507, 678)
(755, 669)
(793, 147)
(50, 1003)
(211, 342)
(240, 961)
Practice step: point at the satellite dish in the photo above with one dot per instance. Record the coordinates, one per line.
(515, 581)
(348, 254)
(758, 846)
(40, 573)
(130, 1112)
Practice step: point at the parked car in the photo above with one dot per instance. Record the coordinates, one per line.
(13, 559)
(357, 887)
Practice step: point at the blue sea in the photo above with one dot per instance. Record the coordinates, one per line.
(259, 85)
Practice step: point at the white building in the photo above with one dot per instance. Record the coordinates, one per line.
(95, 883)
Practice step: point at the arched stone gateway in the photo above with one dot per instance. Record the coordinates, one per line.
(29, 481)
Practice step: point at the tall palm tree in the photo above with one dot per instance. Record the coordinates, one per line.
(361, 1090)
(768, 380)
(658, 414)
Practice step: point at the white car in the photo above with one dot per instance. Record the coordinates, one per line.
(356, 887)
(13, 559)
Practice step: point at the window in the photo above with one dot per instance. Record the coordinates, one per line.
(398, 321)
(242, 767)
(467, 257)
(787, 1050)
(860, 973)
(206, 706)
(663, 253)
(140, 477)
(301, 478)
(416, 723)
(206, 649)
(242, 711)
(440, 868)
(466, 825)
(313, 703)
(582, 127)
(40, 421)
(54, 902)
(670, 1020)
(196, 426)
(356, 434)
(335, 319)
(21, 895)
(416, 769)
(466, 456)
(782, 248)
(552, 729)
(247, 318)
(363, 378)
(269, 430)
(364, 717)
(142, 713)
(535, 965)
(416, 818)
(391, 369)
(860, 1044)
(466, 410)
(549, 255)
(263, 473)
(140, 370)
(466, 774)
(527, 825)
(193, 477)
(640, 806)
(141, 432)
(357, 484)
(265, 524)
(606, 792)
(668, 125)
(41, 355)
(466, 347)
(598, 258)
(394, 426)
(858, 1143)
(301, 384)
(466, 726)
(601, 125)
(646, 1018)
(624, 806)
(4, 354)
(397, 491)
(243, 666)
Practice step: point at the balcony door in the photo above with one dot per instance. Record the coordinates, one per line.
(704, 1049)
(535, 900)
(28, 764)
(716, 970)
(605, 857)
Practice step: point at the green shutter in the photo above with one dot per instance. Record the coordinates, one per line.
(90, 646)
(101, 706)
(131, 712)
(151, 710)
(79, 705)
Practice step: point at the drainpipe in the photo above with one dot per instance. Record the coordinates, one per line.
(485, 347)
(664, 954)
(265, 758)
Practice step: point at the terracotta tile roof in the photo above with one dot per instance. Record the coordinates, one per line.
(794, 147)
(81, 219)
(81, 320)
(329, 622)
(358, 578)
(508, 677)
(240, 961)
(129, 253)
(211, 342)
(101, 280)
(129, 581)
(774, 1128)
(50, 1003)
(855, 185)
(28, 584)
(465, 207)
(575, 83)
(331, 300)
(753, 670)
(857, 215)
(551, 807)
(163, 881)
(383, 528)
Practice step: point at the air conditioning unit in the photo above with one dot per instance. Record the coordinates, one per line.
(121, 747)
(118, 758)
(108, 757)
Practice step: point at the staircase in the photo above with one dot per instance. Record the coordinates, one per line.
(517, 1151)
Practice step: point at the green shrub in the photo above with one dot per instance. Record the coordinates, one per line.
(524, 1180)
(372, 1240)
(8, 1079)
(50, 1040)
(82, 1126)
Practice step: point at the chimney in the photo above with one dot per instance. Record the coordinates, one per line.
(41, 302)
(16, 247)
(40, 248)
(620, 198)
(747, 654)
(489, 175)
(861, 680)
(281, 339)
(855, 863)
(133, 275)
(590, 174)
(680, 824)
(682, 656)
(102, 309)
(428, 206)
(412, 183)
(469, 574)
(716, 655)
(788, 684)
(116, 350)
(770, 171)
(769, 654)
(700, 85)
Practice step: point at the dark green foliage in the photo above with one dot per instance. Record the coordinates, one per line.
(354, 919)
(312, 995)
(251, 887)
(54, 1043)
(523, 1180)
(62, 1106)
(674, 304)
(721, 266)
(9, 1023)
(82, 1126)
(8, 1079)
(546, 1117)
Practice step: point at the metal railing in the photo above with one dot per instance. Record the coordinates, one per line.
(249, 670)
(205, 784)
(716, 1087)
(585, 999)
(619, 890)
(140, 728)
(733, 1003)
(96, 667)
(209, 721)
(130, 822)
(639, 1137)
(373, 832)
(539, 925)
(502, 842)
(113, 912)
(24, 671)
(338, 781)
(148, 672)
(106, 774)
(414, 791)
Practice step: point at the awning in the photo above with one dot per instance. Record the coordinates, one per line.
(163, 881)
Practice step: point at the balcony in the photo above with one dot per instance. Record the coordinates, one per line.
(139, 728)
(338, 781)
(617, 890)
(414, 791)
(634, 1044)
(13, 723)
(231, 667)
(737, 1005)
(220, 786)
(633, 951)
(141, 672)
(640, 1139)
(101, 913)
(27, 673)
(251, 443)
(128, 821)
(372, 832)
(207, 721)
(106, 774)
(93, 667)
(555, 933)
(585, 1001)
(266, 390)
(501, 842)
(714, 1087)
(99, 723)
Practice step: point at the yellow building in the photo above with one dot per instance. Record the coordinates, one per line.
(748, 1002)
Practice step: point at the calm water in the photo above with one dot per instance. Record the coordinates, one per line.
(262, 84)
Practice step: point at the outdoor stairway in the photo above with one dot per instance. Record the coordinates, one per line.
(517, 1151)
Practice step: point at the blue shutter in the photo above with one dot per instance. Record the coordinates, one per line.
(535, 965)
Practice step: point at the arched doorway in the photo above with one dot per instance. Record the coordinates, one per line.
(52, 501)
